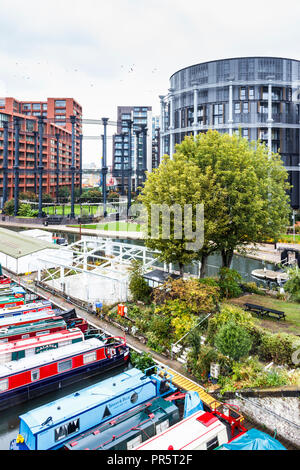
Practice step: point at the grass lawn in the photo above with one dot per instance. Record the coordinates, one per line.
(85, 210)
(291, 309)
(290, 238)
(113, 226)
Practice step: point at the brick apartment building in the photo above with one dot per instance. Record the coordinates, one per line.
(57, 142)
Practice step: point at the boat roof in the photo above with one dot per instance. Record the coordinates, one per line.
(123, 427)
(186, 434)
(49, 356)
(25, 307)
(85, 399)
(20, 319)
(15, 245)
(40, 341)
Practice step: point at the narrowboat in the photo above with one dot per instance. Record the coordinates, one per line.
(51, 370)
(15, 350)
(5, 280)
(14, 310)
(50, 426)
(12, 290)
(11, 301)
(203, 430)
(29, 319)
(15, 332)
(131, 428)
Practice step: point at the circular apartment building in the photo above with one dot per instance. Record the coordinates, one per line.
(259, 95)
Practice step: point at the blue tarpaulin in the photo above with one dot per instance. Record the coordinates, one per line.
(253, 440)
(192, 404)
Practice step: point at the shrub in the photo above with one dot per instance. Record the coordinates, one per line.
(200, 366)
(25, 210)
(228, 313)
(199, 298)
(233, 340)
(278, 348)
(9, 207)
(252, 288)
(229, 282)
(138, 286)
(142, 360)
(292, 286)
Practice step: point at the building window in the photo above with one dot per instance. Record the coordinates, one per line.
(36, 106)
(245, 107)
(2, 103)
(245, 133)
(60, 104)
(251, 93)
(218, 116)
(237, 108)
(65, 365)
(243, 93)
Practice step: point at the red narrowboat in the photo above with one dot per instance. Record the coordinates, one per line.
(54, 369)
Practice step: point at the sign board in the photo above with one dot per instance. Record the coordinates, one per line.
(214, 370)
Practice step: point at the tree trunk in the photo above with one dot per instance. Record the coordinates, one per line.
(227, 256)
(203, 270)
(181, 269)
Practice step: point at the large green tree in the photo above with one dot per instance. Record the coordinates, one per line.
(251, 184)
(175, 185)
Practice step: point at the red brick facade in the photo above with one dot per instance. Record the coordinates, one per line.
(56, 113)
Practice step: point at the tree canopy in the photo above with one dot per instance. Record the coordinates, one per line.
(243, 188)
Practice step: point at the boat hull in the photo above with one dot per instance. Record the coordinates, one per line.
(51, 384)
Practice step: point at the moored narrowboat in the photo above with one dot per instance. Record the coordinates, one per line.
(50, 426)
(15, 350)
(135, 426)
(45, 326)
(22, 309)
(36, 375)
(11, 300)
(129, 429)
(203, 430)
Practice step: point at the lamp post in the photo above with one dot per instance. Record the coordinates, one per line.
(129, 122)
(137, 178)
(57, 167)
(104, 165)
(72, 214)
(144, 169)
(123, 166)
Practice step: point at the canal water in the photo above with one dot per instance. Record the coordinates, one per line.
(9, 419)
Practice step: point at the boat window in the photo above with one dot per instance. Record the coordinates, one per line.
(210, 445)
(91, 357)
(160, 427)
(65, 365)
(134, 442)
(66, 430)
(3, 385)
(41, 333)
(35, 375)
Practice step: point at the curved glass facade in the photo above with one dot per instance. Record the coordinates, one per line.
(259, 95)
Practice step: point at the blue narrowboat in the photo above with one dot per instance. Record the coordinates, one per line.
(50, 426)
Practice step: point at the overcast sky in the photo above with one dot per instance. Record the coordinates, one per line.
(106, 53)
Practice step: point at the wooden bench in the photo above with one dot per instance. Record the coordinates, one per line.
(265, 311)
